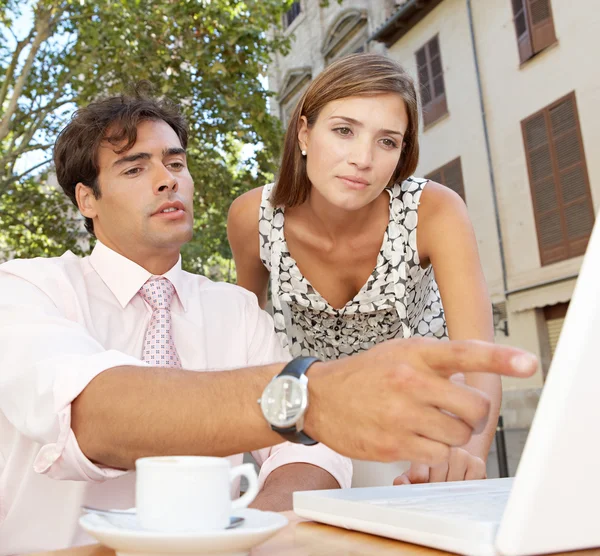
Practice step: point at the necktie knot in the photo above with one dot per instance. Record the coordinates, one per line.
(158, 293)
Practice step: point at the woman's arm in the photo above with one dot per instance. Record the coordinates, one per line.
(446, 239)
(242, 232)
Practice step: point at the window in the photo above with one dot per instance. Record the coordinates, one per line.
(451, 176)
(295, 83)
(560, 187)
(291, 14)
(534, 26)
(431, 81)
(347, 35)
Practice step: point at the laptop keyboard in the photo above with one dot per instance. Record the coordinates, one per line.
(474, 505)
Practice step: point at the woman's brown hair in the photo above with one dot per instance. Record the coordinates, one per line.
(354, 75)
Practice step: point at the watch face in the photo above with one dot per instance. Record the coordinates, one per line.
(283, 402)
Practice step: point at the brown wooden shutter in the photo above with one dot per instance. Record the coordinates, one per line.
(559, 180)
(436, 176)
(534, 26)
(541, 24)
(431, 81)
(451, 176)
(555, 318)
(521, 20)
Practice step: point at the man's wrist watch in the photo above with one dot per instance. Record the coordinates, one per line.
(285, 400)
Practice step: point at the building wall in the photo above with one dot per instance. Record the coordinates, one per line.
(514, 92)
(308, 33)
(460, 133)
(511, 92)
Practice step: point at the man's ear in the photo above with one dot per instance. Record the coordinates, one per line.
(303, 133)
(86, 200)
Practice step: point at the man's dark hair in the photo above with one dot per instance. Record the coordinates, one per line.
(76, 149)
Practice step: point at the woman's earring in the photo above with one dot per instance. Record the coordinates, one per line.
(303, 152)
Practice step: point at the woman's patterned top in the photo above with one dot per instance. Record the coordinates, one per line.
(399, 300)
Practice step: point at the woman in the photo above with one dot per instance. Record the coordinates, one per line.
(336, 236)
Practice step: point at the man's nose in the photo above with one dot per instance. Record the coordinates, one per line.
(166, 181)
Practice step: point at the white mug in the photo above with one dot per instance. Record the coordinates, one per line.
(189, 493)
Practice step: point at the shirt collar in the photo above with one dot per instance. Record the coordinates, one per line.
(124, 278)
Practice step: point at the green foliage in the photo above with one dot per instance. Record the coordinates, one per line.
(207, 55)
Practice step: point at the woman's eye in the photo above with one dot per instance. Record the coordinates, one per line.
(389, 143)
(343, 130)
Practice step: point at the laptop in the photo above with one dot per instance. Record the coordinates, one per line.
(553, 502)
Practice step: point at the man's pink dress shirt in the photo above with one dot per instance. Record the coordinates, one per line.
(65, 320)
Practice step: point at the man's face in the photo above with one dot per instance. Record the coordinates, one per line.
(146, 195)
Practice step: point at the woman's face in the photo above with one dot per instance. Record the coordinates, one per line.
(353, 148)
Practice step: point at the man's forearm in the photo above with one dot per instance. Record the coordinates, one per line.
(130, 412)
(276, 494)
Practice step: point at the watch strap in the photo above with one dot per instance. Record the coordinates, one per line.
(293, 435)
(296, 368)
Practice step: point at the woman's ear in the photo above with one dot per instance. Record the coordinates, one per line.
(86, 200)
(303, 133)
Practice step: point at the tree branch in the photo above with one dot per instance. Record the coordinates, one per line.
(42, 32)
(37, 123)
(4, 186)
(20, 151)
(13, 64)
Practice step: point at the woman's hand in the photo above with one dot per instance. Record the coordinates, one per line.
(461, 466)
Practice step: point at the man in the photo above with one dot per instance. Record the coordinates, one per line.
(111, 357)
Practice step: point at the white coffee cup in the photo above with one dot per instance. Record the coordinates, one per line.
(189, 493)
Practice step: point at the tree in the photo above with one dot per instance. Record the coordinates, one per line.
(207, 55)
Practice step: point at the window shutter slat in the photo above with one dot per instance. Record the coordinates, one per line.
(438, 86)
(545, 196)
(435, 176)
(434, 47)
(579, 220)
(524, 43)
(578, 211)
(423, 77)
(541, 24)
(551, 236)
(451, 176)
(431, 81)
(454, 178)
(572, 184)
(559, 182)
(551, 229)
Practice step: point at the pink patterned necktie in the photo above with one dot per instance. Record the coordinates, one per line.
(159, 349)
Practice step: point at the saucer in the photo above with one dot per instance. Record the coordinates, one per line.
(125, 536)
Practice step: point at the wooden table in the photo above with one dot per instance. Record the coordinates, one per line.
(306, 538)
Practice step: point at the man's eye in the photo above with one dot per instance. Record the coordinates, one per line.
(133, 171)
(176, 165)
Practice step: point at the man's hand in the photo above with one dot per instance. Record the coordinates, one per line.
(461, 466)
(396, 401)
